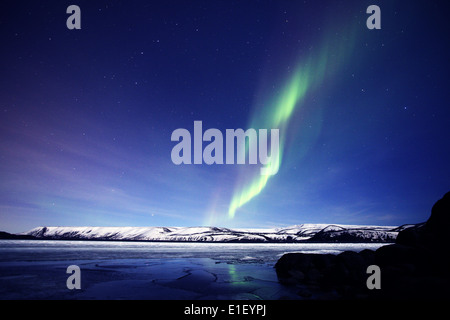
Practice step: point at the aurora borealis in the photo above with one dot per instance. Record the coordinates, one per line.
(87, 115)
(305, 77)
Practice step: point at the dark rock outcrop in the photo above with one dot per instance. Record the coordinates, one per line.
(432, 235)
(415, 267)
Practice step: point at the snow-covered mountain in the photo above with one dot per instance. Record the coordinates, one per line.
(297, 233)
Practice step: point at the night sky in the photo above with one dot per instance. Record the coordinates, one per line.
(86, 116)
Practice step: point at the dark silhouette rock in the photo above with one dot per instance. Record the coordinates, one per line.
(396, 254)
(440, 218)
(415, 267)
(412, 236)
(303, 267)
(432, 235)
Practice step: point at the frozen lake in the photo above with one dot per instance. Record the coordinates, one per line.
(36, 269)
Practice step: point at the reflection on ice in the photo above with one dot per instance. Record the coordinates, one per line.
(126, 270)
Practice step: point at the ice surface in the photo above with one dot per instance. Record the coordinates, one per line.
(36, 269)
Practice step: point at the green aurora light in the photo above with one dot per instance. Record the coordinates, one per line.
(305, 78)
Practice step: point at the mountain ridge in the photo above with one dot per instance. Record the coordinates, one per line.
(297, 233)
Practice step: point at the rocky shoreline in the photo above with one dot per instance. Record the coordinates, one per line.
(415, 267)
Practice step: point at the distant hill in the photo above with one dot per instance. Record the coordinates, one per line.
(322, 233)
(6, 235)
